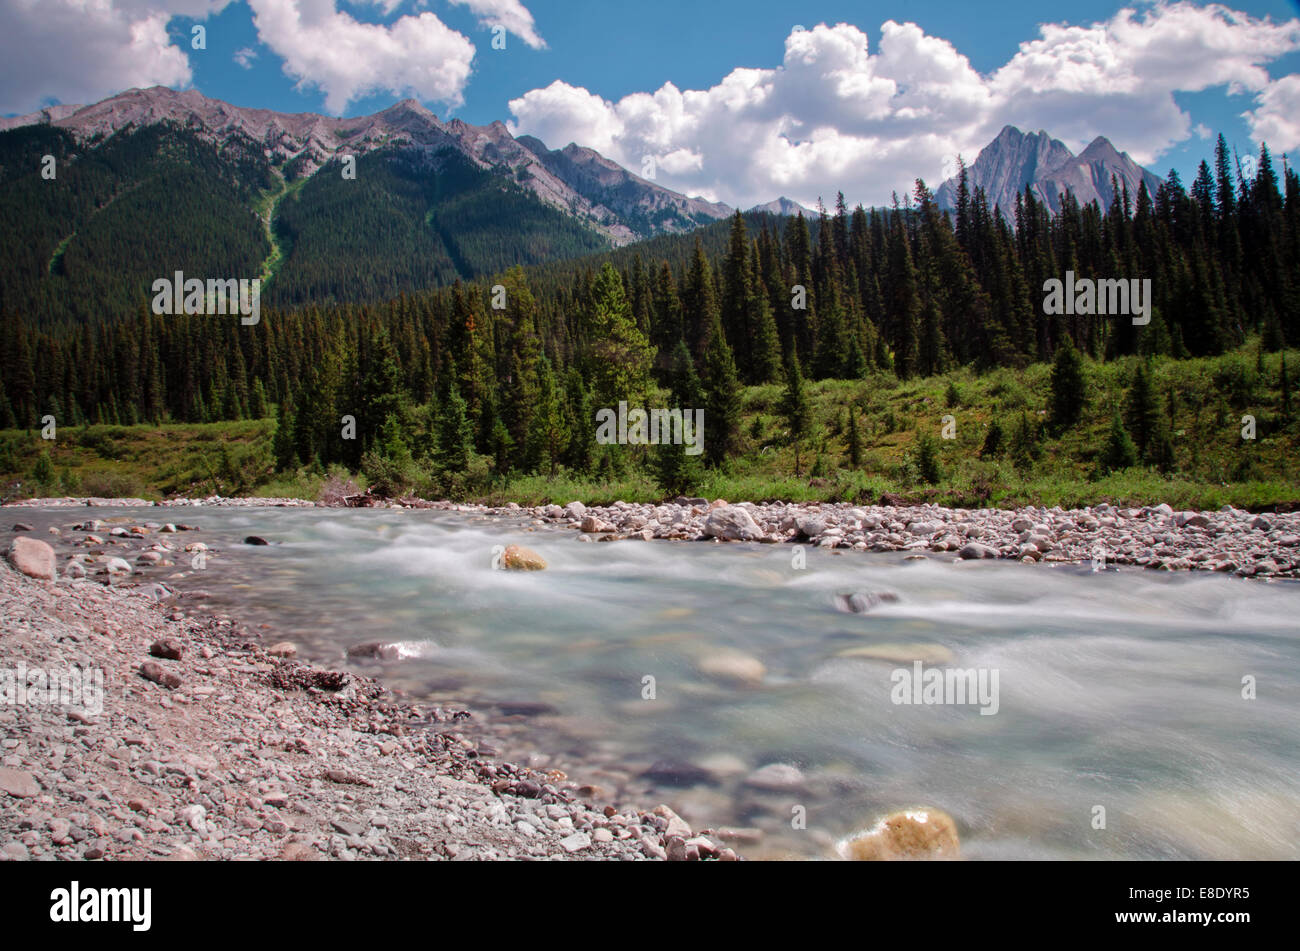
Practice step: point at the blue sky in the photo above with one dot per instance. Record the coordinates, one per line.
(849, 107)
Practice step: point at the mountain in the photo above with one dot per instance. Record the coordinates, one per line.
(784, 206)
(159, 181)
(1015, 160)
(578, 181)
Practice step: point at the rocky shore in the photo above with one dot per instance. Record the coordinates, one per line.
(1230, 540)
(209, 743)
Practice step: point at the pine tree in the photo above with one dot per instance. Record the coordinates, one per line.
(455, 434)
(1119, 451)
(620, 356)
(1069, 393)
(928, 466)
(795, 409)
(1142, 415)
(549, 436)
(721, 400)
(855, 441)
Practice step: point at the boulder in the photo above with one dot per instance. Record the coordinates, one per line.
(732, 523)
(32, 557)
(519, 558)
(976, 550)
(911, 834)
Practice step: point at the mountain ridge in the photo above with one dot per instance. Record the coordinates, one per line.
(1015, 160)
(579, 181)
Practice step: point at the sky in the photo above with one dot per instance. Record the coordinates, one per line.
(734, 100)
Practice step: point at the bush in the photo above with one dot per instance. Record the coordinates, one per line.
(389, 477)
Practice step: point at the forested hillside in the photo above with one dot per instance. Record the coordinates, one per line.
(87, 244)
(448, 391)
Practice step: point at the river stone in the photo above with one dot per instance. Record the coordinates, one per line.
(901, 653)
(809, 526)
(976, 550)
(168, 648)
(732, 523)
(255, 540)
(519, 558)
(160, 675)
(911, 834)
(18, 783)
(32, 557)
(777, 777)
(575, 510)
(861, 603)
(592, 525)
(676, 774)
(389, 650)
(734, 666)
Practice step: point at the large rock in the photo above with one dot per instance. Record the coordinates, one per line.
(911, 834)
(976, 550)
(32, 557)
(519, 558)
(732, 523)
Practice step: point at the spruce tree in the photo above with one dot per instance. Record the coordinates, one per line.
(1069, 394)
(1119, 451)
(721, 400)
(795, 409)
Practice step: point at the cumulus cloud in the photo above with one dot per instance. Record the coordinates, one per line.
(1276, 120)
(511, 14)
(835, 114)
(77, 52)
(346, 59)
(245, 56)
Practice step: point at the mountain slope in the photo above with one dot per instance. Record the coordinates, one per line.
(1015, 160)
(577, 181)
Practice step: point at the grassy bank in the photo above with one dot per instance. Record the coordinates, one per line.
(1202, 402)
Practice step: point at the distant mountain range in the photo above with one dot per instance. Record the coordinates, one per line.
(1015, 160)
(612, 201)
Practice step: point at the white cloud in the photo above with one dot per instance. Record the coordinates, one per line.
(245, 56)
(835, 115)
(511, 14)
(1277, 118)
(416, 55)
(76, 51)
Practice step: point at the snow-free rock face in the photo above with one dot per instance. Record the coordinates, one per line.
(577, 180)
(1016, 159)
(784, 206)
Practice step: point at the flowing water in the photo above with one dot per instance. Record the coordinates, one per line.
(1118, 690)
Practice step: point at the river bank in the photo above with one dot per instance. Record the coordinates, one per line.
(551, 664)
(210, 743)
(1229, 540)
